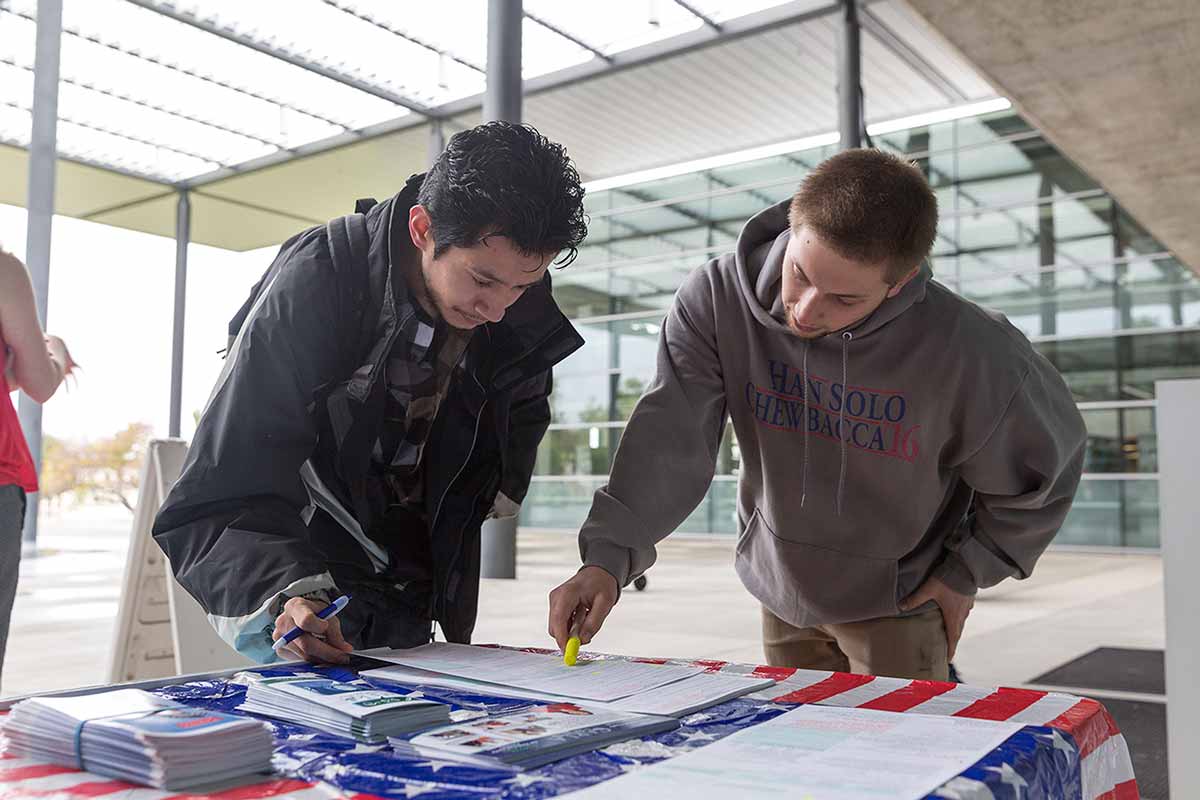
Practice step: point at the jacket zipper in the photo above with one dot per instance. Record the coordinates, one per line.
(474, 439)
(438, 512)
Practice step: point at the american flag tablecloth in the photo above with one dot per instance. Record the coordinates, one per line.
(1070, 749)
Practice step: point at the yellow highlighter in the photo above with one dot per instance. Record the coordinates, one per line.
(571, 652)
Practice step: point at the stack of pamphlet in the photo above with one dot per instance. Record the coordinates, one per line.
(532, 737)
(344, 708)
(139, 737)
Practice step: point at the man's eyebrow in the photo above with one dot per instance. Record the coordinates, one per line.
(487, 274)
(800, 269)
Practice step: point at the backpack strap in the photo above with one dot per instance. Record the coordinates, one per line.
(348, 240)
(349, 245)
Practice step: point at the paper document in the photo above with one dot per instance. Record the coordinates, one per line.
(592, 680)
(690, 694)
(821, 753)
(672, 700)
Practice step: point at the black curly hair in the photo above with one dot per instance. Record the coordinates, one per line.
(503, 179)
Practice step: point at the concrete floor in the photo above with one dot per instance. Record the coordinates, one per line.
(694, 606)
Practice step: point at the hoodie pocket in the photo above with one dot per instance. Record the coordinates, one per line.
(805, 585)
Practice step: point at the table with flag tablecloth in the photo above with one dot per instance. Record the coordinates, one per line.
(1069, 748)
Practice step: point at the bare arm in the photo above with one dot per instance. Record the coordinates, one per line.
(35, 370)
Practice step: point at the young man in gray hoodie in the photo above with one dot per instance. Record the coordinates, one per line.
(901, 447)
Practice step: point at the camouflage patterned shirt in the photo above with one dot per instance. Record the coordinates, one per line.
(418, 375)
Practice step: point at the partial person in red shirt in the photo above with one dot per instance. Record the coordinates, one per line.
(36, 364)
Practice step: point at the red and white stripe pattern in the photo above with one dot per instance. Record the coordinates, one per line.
(25, 780)
(1105, 766)
(30, 780)
(1106, 769)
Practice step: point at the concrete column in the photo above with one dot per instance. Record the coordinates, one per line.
(437, 140)
(850, 111)
(1047, 256)
(502, 101)
(1122, 297)
(498, 549)
(1179, 508)
(43, 153)
(183, 235)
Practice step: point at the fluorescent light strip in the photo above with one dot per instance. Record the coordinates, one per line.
(794, 145)
(712, 162)
(944, 115)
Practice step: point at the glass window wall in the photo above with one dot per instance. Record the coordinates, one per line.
(1023, 231)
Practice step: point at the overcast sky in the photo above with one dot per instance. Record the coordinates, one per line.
(111, 299)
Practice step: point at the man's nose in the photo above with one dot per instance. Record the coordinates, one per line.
(490, 310)
(803, 307)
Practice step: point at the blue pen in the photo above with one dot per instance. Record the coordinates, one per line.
(325, 613)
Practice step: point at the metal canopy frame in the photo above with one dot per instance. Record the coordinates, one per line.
(683, 44)
(366, 17)
(325, 71)
(709, 33)
(495, 101)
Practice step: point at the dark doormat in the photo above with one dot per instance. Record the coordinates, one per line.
(1144, 726)
(1119, 669)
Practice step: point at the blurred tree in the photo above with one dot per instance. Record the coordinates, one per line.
(61, 462)
(106, 469)
(112, 466)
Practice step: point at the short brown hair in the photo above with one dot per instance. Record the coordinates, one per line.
(869, 206)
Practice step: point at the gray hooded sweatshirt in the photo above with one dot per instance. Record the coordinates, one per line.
(928, 439)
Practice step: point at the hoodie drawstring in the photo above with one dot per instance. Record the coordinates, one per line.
(846, 337)
(804, 427)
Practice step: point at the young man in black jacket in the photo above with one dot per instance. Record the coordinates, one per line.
(385, 393)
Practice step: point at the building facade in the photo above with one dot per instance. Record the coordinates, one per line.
(1023, 231)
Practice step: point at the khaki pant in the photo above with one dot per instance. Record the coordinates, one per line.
(900, 647)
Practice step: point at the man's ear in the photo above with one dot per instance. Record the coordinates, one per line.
(420, 228)
(896, 287)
